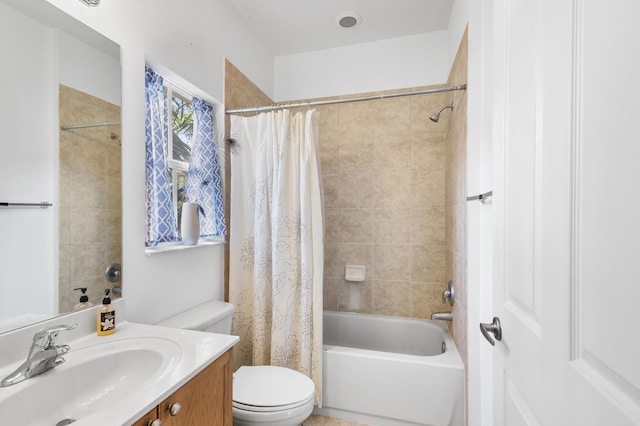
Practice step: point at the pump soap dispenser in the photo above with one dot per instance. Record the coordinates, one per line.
(106, 321)
(84, 300)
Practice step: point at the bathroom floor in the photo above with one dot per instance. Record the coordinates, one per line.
(329, 421)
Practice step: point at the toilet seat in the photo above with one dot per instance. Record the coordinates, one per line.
(270, 409)
(268, 388)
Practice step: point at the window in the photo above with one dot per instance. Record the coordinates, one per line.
(180, 140)
(181, 162)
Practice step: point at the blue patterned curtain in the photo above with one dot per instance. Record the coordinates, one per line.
(161, 219)
(204, 185)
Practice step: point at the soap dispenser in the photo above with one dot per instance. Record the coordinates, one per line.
(84, 299)
(106, 321)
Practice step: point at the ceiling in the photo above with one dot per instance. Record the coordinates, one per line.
(296, 26)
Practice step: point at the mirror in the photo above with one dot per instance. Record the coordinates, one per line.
(61, 91)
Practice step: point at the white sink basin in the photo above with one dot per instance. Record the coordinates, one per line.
(94, 378)
(106, 380)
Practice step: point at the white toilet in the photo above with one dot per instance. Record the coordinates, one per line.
(262, 395)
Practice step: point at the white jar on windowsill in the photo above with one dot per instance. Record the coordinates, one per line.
(190, 224)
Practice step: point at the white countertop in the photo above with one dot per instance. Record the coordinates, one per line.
(191, 352)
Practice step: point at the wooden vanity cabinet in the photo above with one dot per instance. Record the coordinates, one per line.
(204, 400)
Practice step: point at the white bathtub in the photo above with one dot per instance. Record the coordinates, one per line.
(390, 371)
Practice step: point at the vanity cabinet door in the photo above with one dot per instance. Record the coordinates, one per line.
(204, 400)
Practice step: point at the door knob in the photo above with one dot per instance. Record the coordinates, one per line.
(494, 328)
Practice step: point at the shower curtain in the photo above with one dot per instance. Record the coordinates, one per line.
(276, 242)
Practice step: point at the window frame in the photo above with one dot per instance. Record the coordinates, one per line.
(175, 166)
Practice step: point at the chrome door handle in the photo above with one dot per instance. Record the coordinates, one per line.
(494, 328)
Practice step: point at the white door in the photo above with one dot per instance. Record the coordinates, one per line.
(566, 206)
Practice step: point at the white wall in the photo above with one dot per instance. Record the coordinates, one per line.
(209, 31)
(418, 60)
(412, 61)
(86, 69)
(460, 13)
(26, 165)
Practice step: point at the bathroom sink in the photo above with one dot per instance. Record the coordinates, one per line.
(94, 378)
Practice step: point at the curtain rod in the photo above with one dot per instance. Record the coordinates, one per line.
(342, 101)
(86, 126)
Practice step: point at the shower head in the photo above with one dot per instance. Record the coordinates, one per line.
(436, 115)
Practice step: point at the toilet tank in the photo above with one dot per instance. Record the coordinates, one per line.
(213, 317)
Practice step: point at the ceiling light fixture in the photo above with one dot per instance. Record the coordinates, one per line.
(348, 20)
(91, 2)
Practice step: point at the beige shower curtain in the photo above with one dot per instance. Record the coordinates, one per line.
(276, 242)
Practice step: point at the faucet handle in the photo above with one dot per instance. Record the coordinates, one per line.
(448, 294)
(50, 335)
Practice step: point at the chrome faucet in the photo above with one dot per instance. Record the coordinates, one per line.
(43, 355)
(444, 316)
(447, 294)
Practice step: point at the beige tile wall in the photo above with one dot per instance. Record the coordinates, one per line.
(90, 197)
(239, 92)
(383, 167)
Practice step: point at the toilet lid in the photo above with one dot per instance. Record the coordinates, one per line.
(268, 386)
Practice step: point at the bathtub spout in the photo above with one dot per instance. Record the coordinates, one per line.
(444, 316)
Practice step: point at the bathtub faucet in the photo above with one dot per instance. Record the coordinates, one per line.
(444, 316)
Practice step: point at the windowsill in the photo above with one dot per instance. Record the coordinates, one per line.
(148, 251)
